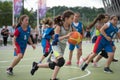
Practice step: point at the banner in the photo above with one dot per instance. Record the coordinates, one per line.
(42, 8)
(17, 7)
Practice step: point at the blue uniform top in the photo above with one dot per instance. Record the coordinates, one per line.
(22, 36)
(111, 30)
(79, 27)
(47, 33)
(46, 36)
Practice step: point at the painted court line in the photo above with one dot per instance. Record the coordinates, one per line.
(25, 59)
(88, 73)
(72, 67)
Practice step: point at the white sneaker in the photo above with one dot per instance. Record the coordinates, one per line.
(9, 71)
(95, 65)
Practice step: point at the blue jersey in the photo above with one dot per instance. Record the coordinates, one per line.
(79, 27)
(46, 36)
(111, 30)
(22, 36)
(47, 33)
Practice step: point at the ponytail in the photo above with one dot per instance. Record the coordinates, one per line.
(58, 21)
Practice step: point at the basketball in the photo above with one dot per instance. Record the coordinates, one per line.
(75, 38)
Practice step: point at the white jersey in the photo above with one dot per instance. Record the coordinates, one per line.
(64, 32)
(60, 47)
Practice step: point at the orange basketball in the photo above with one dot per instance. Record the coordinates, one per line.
(75, 38)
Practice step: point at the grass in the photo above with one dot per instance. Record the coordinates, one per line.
(22, 70)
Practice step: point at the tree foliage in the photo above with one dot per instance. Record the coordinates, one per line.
(87, 13)
(5, 13)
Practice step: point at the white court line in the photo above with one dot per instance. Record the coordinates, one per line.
(17, 66)
(88, 73)
(25, 59)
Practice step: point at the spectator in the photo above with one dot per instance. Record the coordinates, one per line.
(5, 34)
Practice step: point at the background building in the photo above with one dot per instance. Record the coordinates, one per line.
(112, 7)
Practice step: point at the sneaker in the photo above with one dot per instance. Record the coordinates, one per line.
(84, 66)
(95, 65)
(114, 60)
(34, 68)
(108, 70)
(9, 71)
(68, 63)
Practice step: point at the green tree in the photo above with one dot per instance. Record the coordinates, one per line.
(5, 13)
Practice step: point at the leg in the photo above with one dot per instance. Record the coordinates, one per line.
(114, 49)
(102, 54)
(70, 58)
(79, 54)
(109, 60)
(98, 58)
(14, 63)
(55, 72)
(16, 60)
(43, 57)
(36, 65)
(49, 58)
(4, 41)
(46, 50)
(59, 64)
(71, 48)
(83, 67)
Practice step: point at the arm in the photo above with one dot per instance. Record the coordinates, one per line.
(56, 36)
(16, 33)
(98, 27)
(57, 31)
(2, 30)
(13, 41)
(83, 31)
(118, 34)
(30, 41)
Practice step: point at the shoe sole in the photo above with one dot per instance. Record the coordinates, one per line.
(9, 73)
(108, 72)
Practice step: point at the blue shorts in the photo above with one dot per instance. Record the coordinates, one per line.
(46, 46)
(19, 50)
(71, 47)
(102, 43)
(94, 39)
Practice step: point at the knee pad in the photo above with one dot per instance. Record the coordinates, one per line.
(52, 65)
(46, 54)
(104, 54)
(61, 62)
